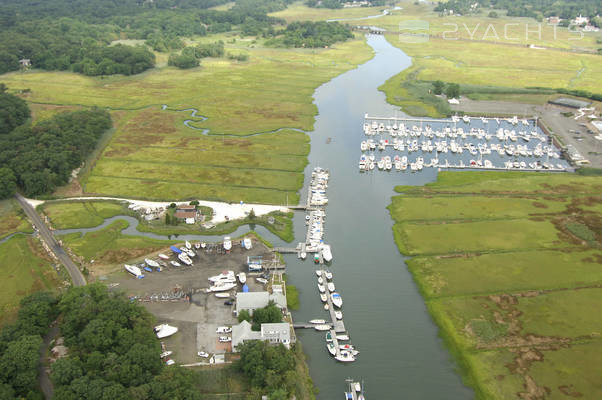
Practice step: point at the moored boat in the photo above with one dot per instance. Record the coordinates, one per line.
(175, 263)
(337, 300)
(222, 286)
(163, 256)
(242, 278)
(134, 270)
(165, 330)
(331, 348)
(322, 327)
(185, 259)
(227, 243)
(222, 295)
(345, 356)
(331, 287)
(248, 243)
(151, 263)
(317, 321)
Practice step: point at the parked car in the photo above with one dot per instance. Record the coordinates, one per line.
(223, 329)
(228, 302)
(170, 362)
(202, 354)
(225, 339)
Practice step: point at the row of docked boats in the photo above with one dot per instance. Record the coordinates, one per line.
(459, 147)
(428, 132)
(375, 127)
(368, 163)
(225, 281)
(318, 186)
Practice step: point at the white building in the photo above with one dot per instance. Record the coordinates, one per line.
(251, 301)
(278, 333)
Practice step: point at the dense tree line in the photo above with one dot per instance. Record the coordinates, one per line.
(40, 157)
(13, 111)
(566, 9)
(113, 351)
(190, 56)
(266, 315)
(312, 34)
(269, 368)
(75, 34)
(20, 346)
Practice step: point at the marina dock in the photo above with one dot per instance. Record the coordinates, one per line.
(338, 324)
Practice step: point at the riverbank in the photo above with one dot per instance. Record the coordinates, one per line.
(511, 308)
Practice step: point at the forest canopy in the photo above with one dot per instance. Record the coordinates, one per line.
(312, 34)
(42, 156)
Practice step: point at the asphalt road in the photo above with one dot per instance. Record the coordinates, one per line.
(76, 276)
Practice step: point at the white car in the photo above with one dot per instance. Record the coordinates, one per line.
(223, 329)
(225, 339)
(202, 354)
(170, 362)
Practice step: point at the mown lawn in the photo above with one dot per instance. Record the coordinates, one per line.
(80, 214)
(24, 268)
(510, 286)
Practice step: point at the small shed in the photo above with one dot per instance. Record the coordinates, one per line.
(25, 63)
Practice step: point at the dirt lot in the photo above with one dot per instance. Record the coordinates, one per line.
(571, 131)
(197, 318)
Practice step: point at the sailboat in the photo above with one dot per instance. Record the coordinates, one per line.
(134, 270)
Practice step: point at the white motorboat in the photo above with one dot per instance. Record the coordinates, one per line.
(338, 314)
(330, 287)
(326, 253)
(318, 273)
(222, 287)
(320, 281)
(262, 280)
(328, 275)
(223, 276)
(342, 337)
(328, 337)
(317, 321)
(166, 354)
(163, 256)
(322, 327)
(188, 245)
(323, 297)
(227, 243)
(321, 288)
(197, 245)
(134, 270)
(165, 330)
(337, 300)
(242, 278)
(185, 259)
(203, 245)
(151, 263)
(175, 263)
(190, 253)
(303, 255)
(345, 356)
(326, 307)
(248, 243)
(332, 349)
(222, 295)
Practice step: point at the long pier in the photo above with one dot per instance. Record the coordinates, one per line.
(338, 324)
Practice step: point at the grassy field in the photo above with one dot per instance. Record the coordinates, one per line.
(152, 155)
(12, 219)
(79, 214)
(488, 54)
(517, 318)
(300, 12)
(24, 268)
(110, 246)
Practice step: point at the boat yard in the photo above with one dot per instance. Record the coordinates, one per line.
(180, 296)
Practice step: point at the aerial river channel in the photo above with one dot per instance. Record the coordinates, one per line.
(401, 356)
